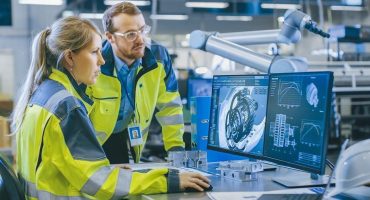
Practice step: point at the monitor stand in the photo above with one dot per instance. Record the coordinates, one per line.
(302, 180)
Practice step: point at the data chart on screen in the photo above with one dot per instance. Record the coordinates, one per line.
(297, 117)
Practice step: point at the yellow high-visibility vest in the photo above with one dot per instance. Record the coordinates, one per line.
(155, 88)
(59, 155)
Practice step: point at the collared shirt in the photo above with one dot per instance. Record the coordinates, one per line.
(126, 75)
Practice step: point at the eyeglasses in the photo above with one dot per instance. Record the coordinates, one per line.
(132, 35)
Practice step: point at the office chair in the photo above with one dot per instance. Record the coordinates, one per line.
(10, 186)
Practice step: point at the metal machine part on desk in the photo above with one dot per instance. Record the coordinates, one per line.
(242, 170)
(192, 159)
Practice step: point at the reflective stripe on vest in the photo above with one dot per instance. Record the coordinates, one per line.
(102, 136)
(52, 103)
(31, 191)
(94, 183)
(96, 180)
(171, 120)
(91, 187)
(123, 184)
(174, 103)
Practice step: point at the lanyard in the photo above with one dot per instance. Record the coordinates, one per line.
(129, 99)
(124, 87)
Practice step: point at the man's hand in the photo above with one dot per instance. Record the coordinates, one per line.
(193, 180)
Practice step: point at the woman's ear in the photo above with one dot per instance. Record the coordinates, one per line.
(68, 57)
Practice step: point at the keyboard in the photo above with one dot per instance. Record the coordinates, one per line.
(290, 197)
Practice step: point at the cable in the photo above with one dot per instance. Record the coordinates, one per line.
(330, 164)
(312, 26)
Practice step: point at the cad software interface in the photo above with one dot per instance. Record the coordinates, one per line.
(238, 113)
(297, 113)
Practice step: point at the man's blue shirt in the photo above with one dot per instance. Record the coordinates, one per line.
(126, 75)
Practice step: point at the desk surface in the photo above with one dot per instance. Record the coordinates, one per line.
(263, 183)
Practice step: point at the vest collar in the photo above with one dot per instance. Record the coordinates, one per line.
(65, 78)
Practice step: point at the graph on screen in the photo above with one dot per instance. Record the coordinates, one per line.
(290, 94)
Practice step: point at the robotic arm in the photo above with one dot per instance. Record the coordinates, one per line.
(228, 44)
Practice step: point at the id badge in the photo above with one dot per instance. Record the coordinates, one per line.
(135, 136)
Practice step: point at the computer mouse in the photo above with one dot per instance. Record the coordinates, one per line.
(195, 190)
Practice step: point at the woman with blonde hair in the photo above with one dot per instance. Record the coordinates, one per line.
(58, 154)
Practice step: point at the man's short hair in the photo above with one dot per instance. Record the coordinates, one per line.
(116, 9)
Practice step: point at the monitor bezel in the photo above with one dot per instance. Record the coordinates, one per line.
(219, 149)
(320, 171)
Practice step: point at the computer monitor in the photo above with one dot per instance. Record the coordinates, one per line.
(297, 120)
(281, 118)
(238, 114)
(199, 87)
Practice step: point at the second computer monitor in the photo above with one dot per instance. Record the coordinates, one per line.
(199, 87)
(238, 114)
(297, 118)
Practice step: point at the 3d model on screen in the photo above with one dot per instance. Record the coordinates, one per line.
(311, 95)
(241, 131)
(238, 113)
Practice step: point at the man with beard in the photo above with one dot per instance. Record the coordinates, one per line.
(137, 80)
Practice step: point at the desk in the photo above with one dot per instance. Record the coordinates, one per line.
(263, 183)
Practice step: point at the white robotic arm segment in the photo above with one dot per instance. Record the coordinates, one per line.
(198, 39)
(210, 43)
(294, 21)
(288, 64)
(257, 37)
(290, 35)
(224, 44)
(239, 53)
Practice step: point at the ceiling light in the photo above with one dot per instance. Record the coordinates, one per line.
(347, 8)
(280, 6)
(91, 15)
(352, 2)
(234, 18)
(42, 2)
(184, 43)
(280, 19)
(201, 70)
(206, 5)
(68, 13)
(136, 3)
(169, 17)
